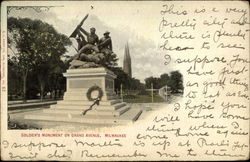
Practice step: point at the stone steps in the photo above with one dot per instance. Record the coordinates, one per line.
(78, 102)
(81, 98)
(109, 112)
(84, 91)
(130, 116)
(112, 107)
(83, 107)
(134, 113)
(91, 112)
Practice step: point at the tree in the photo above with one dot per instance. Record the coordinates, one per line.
(152, 80)
(122, 78)
(176, 83)
(56, 81)
(136, 84)
(38, 47)
(125, 80)
(14, 79)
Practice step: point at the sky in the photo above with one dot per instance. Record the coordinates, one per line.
(133, 22)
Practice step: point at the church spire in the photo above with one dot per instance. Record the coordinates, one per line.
(127, 61)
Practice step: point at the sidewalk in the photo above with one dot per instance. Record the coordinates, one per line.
(36, 103)
(29, 101)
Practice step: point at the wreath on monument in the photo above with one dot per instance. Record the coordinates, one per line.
(94, 88)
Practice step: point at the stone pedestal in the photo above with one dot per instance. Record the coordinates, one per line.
(111, 110)
(80, 80)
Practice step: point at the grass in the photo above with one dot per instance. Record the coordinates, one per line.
(143, 99)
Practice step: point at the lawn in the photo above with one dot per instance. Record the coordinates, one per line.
(142, 99)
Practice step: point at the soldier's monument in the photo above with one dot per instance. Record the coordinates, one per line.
(90, 96)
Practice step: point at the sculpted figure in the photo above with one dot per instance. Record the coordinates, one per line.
(105, 43)
(92, 52)
(81, 41)
(92, 40)
(86, 47)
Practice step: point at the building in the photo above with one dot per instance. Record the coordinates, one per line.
(127, 61)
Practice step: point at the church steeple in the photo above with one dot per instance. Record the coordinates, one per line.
(127, 61)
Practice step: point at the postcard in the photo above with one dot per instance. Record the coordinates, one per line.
(124, 80)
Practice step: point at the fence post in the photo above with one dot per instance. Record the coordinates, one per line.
(152, 92)
(121, 93)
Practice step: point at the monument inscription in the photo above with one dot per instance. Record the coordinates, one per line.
(86, 83)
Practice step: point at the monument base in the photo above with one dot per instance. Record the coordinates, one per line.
(77, 106)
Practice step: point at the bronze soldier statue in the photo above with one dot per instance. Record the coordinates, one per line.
(80, 41)
(105, 43)
(86, 47)
(92, 40)
(91, 52)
